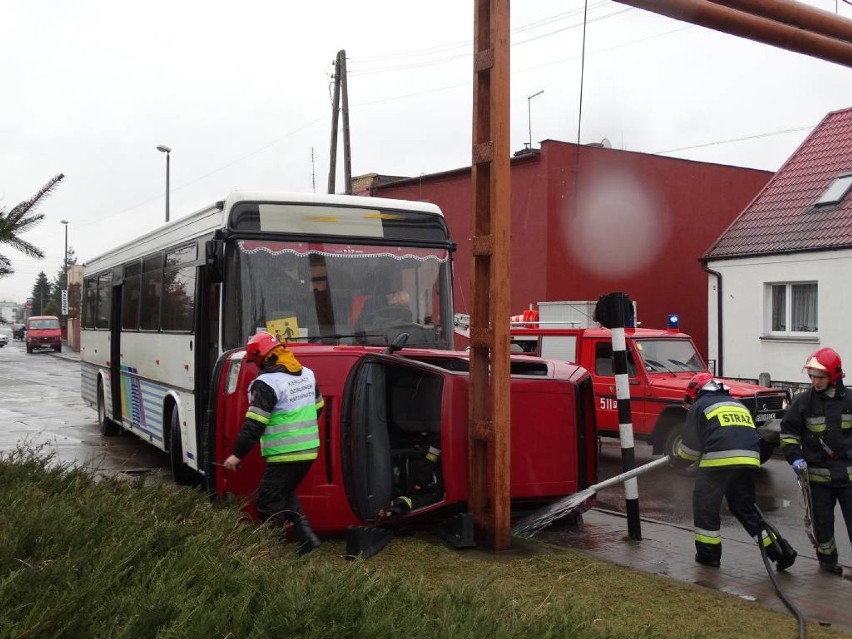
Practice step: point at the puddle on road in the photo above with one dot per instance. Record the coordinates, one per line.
(137, 472)
(736, 593)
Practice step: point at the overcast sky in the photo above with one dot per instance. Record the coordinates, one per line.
(241, 92)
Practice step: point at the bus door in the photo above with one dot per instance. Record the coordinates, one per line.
(206, 326)
(115, 350)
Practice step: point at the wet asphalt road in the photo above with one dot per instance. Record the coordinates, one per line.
(41, 406)
(666, 496)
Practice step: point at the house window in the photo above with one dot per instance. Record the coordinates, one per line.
(793, 308)
(836, 191)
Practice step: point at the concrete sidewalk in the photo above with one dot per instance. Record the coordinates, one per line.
(67, 353)
(668, 550)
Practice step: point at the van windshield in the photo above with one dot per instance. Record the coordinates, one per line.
(44, 323)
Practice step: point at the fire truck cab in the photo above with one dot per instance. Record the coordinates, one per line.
(660, 364)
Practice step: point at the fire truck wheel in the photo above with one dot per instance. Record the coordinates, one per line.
(105, 424)
(673, 439)
(183, 474)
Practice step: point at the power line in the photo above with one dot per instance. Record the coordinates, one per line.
(467, 44)
(605, 49)
(459, 44)
(748, 137)
(530, 26)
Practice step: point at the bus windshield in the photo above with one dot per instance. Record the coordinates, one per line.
(337, 293)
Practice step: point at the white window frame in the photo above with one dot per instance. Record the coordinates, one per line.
(836, 191)
(788, 310)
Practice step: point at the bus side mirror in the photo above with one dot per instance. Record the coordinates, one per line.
(214, 252)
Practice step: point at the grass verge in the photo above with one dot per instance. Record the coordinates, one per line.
(80, 558)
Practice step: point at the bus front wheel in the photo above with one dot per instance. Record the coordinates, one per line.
(105, 424)
(183, 474)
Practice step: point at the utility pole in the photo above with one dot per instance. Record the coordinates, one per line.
(489, 426)
(340, 91)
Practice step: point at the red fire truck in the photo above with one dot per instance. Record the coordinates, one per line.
(361, 290)
(660, 364)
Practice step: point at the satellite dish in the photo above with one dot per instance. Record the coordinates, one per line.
(605, 143)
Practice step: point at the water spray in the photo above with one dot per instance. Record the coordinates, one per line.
(581, 501)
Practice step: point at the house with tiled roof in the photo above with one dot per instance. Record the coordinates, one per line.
(780, 276)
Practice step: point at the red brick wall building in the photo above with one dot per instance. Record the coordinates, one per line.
(588, 220)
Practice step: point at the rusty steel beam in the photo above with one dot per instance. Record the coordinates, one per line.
(797, 15)
(752, 27)
(488, 414)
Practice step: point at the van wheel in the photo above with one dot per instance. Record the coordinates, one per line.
(183, 474)
(29, 348)
(673, 440)
(58, 348)
(106, 425)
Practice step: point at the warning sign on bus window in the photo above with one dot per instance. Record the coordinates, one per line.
(284, 329)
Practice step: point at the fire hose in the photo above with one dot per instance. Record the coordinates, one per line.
(775, 536)
(582, 500)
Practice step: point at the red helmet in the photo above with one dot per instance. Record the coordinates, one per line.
(828, 361)
(259, 346)
(699, 382)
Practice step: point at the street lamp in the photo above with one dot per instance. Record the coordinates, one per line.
(529, 115)
(65, 264)
(164, 149)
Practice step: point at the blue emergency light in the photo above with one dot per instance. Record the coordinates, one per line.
(673, 321)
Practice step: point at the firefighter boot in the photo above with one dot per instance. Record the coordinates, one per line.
(782, 553)
(305, 536)
(713, 562)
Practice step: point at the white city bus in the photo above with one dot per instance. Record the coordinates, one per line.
(158, 312)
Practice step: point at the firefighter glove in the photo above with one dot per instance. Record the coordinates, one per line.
(800, 466)
(679, 463)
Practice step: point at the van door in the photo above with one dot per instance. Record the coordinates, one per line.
(392, 416)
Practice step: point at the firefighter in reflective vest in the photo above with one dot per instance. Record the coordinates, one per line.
(425, 484)
(720, 436)
(283, 404)
(816, 438)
